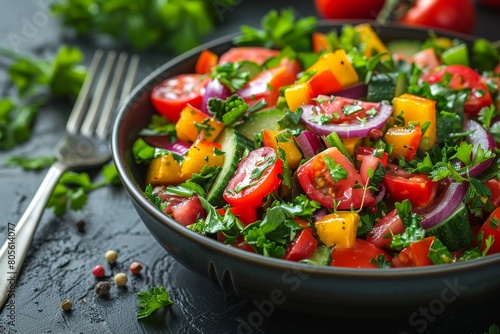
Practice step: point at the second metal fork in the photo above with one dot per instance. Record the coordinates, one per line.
(85, 145)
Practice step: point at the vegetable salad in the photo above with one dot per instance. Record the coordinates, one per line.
(332, 149)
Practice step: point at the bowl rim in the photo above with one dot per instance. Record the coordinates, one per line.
(137, 194)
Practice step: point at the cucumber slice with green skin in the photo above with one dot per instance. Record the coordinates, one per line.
(233, 144)
(454, 232)
(261, 120)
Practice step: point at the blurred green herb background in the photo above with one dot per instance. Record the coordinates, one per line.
(170, 25)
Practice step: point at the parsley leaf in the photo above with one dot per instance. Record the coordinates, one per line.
(228, 111)
(150, 301)
(232, 75)
(337, 172)
(413, 229)
(280, 30)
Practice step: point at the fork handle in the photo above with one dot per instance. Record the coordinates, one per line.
(19, 236)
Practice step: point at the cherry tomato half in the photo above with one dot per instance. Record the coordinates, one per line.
(318, 184)
(257, 175)
(173, 94)
(464, 77)
(358, 256)
(456, 15)
(417, 188)
(353, 9)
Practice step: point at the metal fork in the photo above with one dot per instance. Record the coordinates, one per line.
(85, 145)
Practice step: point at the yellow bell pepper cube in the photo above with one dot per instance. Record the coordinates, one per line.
(338, 229)
(373, 43)
(201, 153)
(404, 141)
(350, 144)
(164, 170)
(292, 151)
(193, 124)
(297, 95)
(417, 109)
(339, 64)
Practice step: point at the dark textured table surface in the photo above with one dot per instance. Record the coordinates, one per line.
(61, 258)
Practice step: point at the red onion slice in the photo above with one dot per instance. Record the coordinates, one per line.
(356, 91)
(179, 147)
(479, 137)
(309, 143)
(444, 205)
(351, 130)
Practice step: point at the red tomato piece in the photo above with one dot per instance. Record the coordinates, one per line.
(266, 85)
(385, 228)
(353, 9)
(464, 77)
(188, 211)
(417, 188)
(256, 177)
(457, 15)
(343, 109)
(426, 58)
(416, 254)
(358, 256)
(494, 186)
(318, 184)
(489, 229)
(173, 94)
(206, 61)
(246, 214)
(251, 53)
(368, 160)
(303, 247)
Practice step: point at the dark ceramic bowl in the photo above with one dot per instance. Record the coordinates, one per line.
(326, 291)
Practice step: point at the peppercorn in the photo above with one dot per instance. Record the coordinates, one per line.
(121, 279)
(80, 225)
(98, 271)
(102, 288)
(111, 256)
(66, 305)
(135, 268)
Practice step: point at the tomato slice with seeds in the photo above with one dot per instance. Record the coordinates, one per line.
(257, 175)
(173, 94)
(316, 179)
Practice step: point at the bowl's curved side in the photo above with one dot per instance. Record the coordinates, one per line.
(326, 291)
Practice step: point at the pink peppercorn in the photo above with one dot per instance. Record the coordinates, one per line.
(98, 271)
(135, 268)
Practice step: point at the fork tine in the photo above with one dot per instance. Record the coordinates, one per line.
(78, 108)
(107, 112)
(92, 113)
(107, 107)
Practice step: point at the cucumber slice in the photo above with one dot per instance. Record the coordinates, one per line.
(454, 232)
(234, 145)
(381, 87)
(405, 47)
(261, 120)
